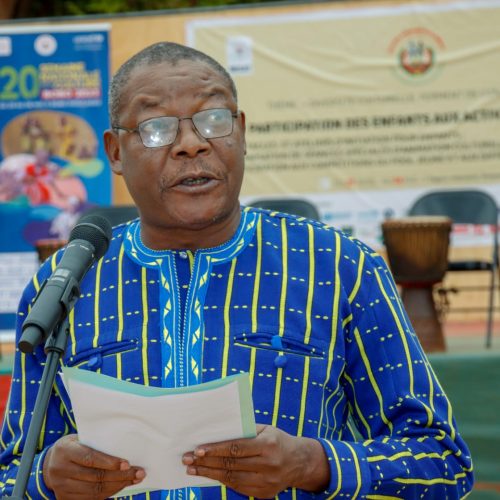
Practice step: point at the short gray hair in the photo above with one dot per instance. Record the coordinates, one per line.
(157, 53)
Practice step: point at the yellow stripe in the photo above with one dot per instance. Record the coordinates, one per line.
(373, 382)
(400, 330)
(38, 473)
(433, 455)
(339, 470)
(258, 265)
(310, 287)
(438, 480)
(382, 497)
(6, 420)
(72, 337)
(358, 471)
(145, 318)
(119, 307)
(303, 399)
(336, 295)
(430, 411)
(227, 309)
(97, 295)
(23, 404)
(334, 409)
(347, 320)
(281, 331)
(41, 436)
(284, 276)
(450, 421)
(355, 289)
(377, 458)
(255, 297)
(358, 409)
(63, 410)
(307, 336)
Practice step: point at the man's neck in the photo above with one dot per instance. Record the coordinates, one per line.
(180, 238)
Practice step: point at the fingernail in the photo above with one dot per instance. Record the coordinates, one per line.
(124, 465)
(200, 452)
(191, 471)
(140, 474)
(187, 460)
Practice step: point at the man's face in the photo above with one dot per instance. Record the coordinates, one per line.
(193, 183)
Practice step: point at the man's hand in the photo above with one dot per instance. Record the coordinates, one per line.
(73, 470)
(263, 466)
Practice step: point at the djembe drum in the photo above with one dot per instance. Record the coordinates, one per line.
(417, 250)
(47, 246)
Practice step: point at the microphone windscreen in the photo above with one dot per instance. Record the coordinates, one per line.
(94, 229)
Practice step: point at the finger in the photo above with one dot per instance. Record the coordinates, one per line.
(93, 475)
(237, 448)
(230, 463)
(88, 457)
(232, 478)
(79, 489)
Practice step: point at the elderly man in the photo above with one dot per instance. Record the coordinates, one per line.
(199, 288)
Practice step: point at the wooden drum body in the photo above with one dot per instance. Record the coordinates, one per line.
(417, 250)
(46, 247)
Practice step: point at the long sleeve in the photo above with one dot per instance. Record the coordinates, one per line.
(27, 372)
(410, 447)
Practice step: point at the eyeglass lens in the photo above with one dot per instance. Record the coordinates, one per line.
(162, 131)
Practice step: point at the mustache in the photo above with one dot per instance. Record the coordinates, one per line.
(188, 168)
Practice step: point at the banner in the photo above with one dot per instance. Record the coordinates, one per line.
(362, 109)
(53, 111)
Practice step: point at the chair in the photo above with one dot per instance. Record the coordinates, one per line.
(294, 206)
(467, 207)
(116, 214)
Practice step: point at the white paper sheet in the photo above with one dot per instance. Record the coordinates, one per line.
(153, 427)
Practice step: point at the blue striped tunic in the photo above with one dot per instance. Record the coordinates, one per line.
(312, 315)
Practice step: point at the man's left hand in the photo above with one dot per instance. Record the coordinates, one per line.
(262, 466)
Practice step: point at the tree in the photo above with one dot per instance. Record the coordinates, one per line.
(21, 9)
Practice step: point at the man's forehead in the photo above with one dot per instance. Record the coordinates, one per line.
(183, 68)
(194, 76)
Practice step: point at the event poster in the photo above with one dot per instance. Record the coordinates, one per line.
(362, 108)
(53, 111)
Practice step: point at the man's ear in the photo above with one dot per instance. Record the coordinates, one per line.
(112, 148)
(244, 128)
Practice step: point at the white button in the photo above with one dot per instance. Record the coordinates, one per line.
(183, 255)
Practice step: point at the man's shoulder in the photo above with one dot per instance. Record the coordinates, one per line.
(293, 222)
(324, 234)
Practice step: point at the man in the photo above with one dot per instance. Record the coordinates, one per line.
(199, 288)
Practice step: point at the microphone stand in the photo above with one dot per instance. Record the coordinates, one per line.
(54, 348)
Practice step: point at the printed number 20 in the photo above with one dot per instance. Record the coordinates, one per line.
(22, 83)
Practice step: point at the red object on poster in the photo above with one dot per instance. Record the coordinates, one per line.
(4, 392)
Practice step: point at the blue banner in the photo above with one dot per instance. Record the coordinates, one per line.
(53, 112)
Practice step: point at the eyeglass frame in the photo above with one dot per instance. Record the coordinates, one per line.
(179, 119)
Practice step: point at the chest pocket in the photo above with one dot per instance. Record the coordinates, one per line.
(92, 358)
(286, 344)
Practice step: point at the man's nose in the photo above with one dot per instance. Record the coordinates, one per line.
(188, 142)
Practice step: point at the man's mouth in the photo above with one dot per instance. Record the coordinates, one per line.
(195, 181)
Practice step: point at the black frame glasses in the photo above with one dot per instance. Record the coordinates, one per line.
(162, 130)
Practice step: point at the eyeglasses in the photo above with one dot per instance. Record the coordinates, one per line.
(162, 131)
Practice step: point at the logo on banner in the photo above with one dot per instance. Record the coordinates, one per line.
(416, 52)
(45, 45)
(239, 54)
(5, 46)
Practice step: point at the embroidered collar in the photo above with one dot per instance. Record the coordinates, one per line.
(140, 253)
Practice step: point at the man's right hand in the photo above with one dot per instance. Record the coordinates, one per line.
(73, 470)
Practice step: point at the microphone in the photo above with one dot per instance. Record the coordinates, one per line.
(88, 242)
